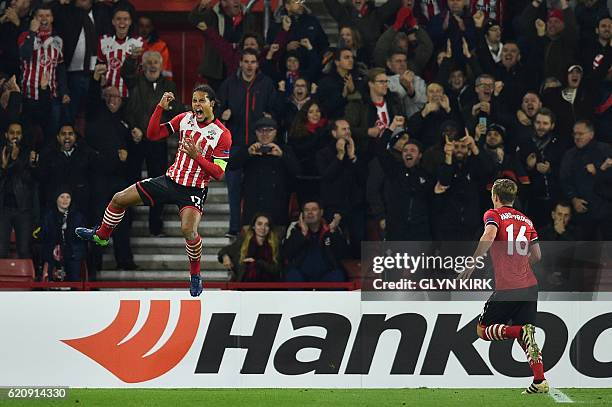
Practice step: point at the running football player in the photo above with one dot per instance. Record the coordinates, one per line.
(510, 312)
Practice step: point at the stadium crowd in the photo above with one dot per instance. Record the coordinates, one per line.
(397, 133)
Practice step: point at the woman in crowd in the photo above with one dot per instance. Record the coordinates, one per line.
(255, 255)
(306, 137)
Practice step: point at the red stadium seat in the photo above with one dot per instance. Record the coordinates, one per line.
(16, 270)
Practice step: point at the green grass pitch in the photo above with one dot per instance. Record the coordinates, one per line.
(314, 397)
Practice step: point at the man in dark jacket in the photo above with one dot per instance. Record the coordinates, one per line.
(585, 169)
(244, 99)
(108, 134)
(364, 15)
(342, 178)
(375, 111)
(269, 169)
(68, 163)
(340, 86)
(424, 125)
(487, 107)
(461, 176)
(408, 202)
(576, 100)
(146, 89)
(540, 153)
(314, 248)
(16, 192)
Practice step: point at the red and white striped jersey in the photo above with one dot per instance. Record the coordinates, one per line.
(47, 54)
(215, 140)
(112, 52)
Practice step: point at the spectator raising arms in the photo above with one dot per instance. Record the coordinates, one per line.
(314, 248)
(113, 50)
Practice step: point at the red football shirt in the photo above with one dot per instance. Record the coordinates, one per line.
(215, 140)
(509, 252)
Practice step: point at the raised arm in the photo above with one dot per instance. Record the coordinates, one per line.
(156, 130)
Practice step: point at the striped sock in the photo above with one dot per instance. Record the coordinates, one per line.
(112, 217)
(194, 253)
(537, 366)
(500, 332)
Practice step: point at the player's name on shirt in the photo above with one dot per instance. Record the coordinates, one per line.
(521, 218)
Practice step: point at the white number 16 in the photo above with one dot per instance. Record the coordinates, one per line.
(521, 243)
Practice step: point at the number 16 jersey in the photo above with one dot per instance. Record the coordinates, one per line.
(510, 250)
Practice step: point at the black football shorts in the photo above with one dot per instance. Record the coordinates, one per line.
(511, 307)
(162, 190)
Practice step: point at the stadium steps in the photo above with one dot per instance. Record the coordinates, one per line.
(327, 22)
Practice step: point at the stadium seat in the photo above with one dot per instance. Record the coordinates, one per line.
(16, 270)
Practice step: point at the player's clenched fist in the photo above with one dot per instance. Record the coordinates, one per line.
(166, 99)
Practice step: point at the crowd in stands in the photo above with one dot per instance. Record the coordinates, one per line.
(396, 133)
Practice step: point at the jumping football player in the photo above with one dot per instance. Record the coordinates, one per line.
(510, 312)
(204, 146)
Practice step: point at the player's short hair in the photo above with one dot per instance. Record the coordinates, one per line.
(206, 89)
(505, 189)
(547, 112)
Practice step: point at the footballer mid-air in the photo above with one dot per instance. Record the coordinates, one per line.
(203, 152)
(511, 311)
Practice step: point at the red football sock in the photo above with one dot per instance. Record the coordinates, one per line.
(112, 217)
(194, 253)
(537, 366)
(500, 332)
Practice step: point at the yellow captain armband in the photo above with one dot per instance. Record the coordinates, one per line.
(221, 163)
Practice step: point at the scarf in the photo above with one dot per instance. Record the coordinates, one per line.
(313, 127)
(263, 252)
